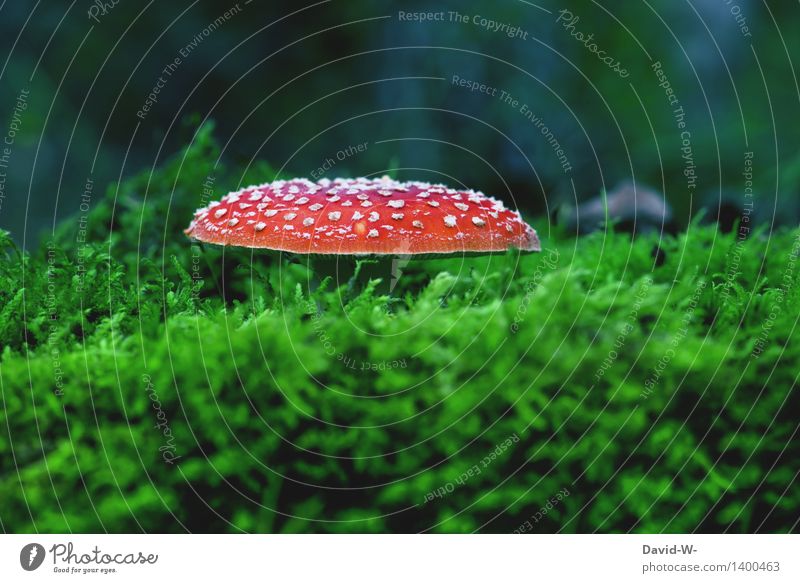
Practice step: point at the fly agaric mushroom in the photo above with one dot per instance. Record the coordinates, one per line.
(362, 217)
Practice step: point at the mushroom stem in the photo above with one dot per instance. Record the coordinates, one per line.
(320, 268)
(378, 268)
(356, 273)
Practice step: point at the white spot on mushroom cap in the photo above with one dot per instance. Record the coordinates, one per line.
(450, 221)
(397, 216)
(334, 216)
(418, 224)
(397, 204)
(478, 222)
(357, 215)
(373, 216)
(289, 216)
(461, 206)
(260, 226)
(220, 213)
(308, 221)
(270, 213)
(433, 203)
(315, 207)
(372, 233)
(233, 222)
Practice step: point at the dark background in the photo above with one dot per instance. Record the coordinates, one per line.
(293, 84)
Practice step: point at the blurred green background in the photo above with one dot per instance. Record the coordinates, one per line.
(294, 85)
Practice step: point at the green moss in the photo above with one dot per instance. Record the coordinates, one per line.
(175, 387)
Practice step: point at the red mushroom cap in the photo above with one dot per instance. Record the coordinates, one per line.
(362, 217)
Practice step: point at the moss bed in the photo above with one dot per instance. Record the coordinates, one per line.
(605, 384)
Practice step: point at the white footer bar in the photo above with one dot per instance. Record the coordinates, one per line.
(402, 558)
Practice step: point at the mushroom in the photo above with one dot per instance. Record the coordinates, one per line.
(634, 207)
(362, 217)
